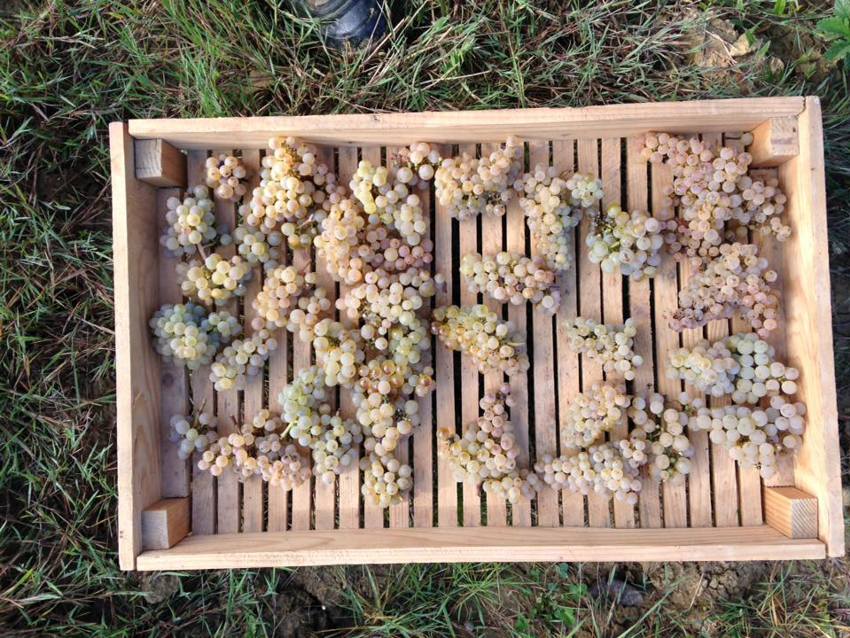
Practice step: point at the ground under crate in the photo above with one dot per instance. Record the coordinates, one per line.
(716, 494)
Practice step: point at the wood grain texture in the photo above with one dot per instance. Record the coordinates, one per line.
(569, 379)
(452, 545)
(228, 504)
(590, 307)
(349, 480)
(444, 363)
(159, 164)
(252, 396)
(543, 370)
(473, 126)
(174, 391)
(649, 501)
(165, 523)
(791, 512)
(809, 327)
(137, 372)
(469, 376)
(775, 141)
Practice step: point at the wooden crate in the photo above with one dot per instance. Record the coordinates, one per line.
(171, 517)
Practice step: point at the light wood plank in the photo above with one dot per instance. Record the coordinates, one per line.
(749, 480)
(203, 400)
(444, 358)
(349, 480)
(791, 511)
(590, 306)
(808, 314)
(324, 500)
(457, 127)
(174, 392)
(252, 397)
(228, 504)
(159, 164)
(491, 243)
(649, 502)
(563, 155)
(775, 141)
(137, 374)
(612, 296)
(423, 438)
(447, 545)
(373, 515)
(165, 523)
(469, 377)
(516, 234)
(543, 369)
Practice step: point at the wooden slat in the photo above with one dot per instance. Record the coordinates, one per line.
(516, 234)
(135, 249)
(160, 164)
(775, 141)
(324, 498)
(444, 363)
(665, 291)
(612, 295)
(590, 306)
(469, 377)
(279, 377)
(563, 155)
(423, 438)
(203, 400)
(252, 397)
(174, 392)
(165, 523)
(473, 126)
(349, 480)
(724, 487)
(399, 515)
(228, 501)
(491, 243)
(649, 502)
(301, 496)
(373, 516)
(808, 314)
(543, 369)
(446, 545)
(749, 480)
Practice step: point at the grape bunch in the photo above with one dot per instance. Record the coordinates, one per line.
(659, 438)
(552, 206)
(215, 280)
(310, 422)
(191, 223)
(226, 175)
(241, 359)
(736, 280)
(742, 365)
(339, 352)
(590, 414)
(296, 192)
(487, 452)
(631, 242)
(283, 287)
(469, 186)
(385, 479)
(599, 469)
(511, 277)
(478, 332)
(258, 247)
(756, 437)
(712, 187)
(421, 160)
(612, 348)
(190, 336)
(192, 433)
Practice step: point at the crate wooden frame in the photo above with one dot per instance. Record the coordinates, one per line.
(156, 490)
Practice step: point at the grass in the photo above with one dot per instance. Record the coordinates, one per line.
(67, 68)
